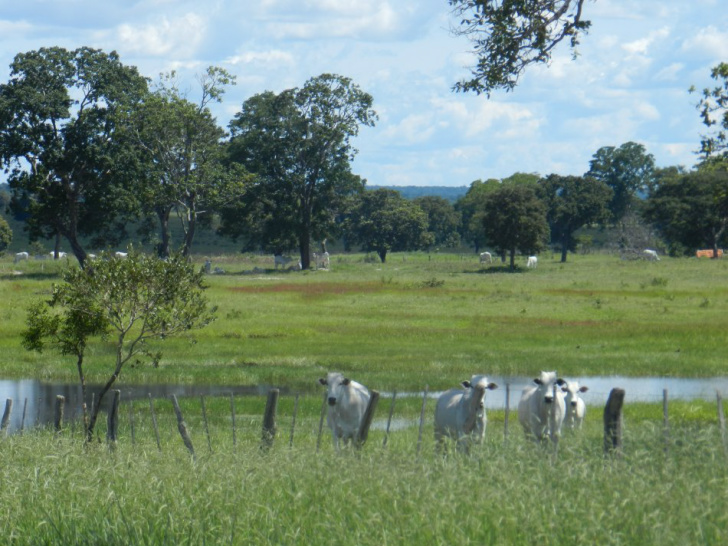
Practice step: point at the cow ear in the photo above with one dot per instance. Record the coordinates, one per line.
(466, 384)
(538, 381)
(322, 381)
(346, 381)
(584, 389)
(492, 386)
(560, 382)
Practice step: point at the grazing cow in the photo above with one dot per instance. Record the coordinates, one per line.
(650, 255)
(120, 254)
(460, 414)
(532, 262)
(321, 260)
(21, 256)
(486, 258)
(535, 407)
(575, 407)
(347, 400)
(60, 255)
(278, 259)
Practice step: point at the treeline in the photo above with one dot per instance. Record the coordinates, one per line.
(92, 148)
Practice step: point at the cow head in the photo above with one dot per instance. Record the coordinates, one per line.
(479, 384)
(334, 382)
(572, 390)
(546, 382)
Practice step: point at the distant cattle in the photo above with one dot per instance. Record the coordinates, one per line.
(52, 254)
(21, 256)
(708, 253)
(460, 414)
(486, 258)
(321, 259)
(532, 262)
(540, 413)
(121, 254)
(347, 401)
(650, 255)
(574, 406)
(278, 259)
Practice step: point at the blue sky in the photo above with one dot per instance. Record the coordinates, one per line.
(630, 82)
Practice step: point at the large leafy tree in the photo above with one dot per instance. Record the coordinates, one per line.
(383, 221)
(514, 219)
(690, 210)
(713, 107)
(181, 146)
(471, 208)
(6, 235)
(127, 302)
(628, 170)
(298, 144)
(508, 36)
(442, 219)
(57, 142)
(571, 203)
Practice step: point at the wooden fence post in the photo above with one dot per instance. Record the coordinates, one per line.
(22, 420)
(508, 411)
(422, 420)
(131, 422)
(204, 421)
(6, 415)
(269, 420)
(112, 420)
(58, 419)
(721, 421)
(552, 422)
(389, 419)
(321, 422)
(293, 421)
(232, 414)
(182, 427)
(665, 421)
(366, 422)
(154, 421)
(613, 422)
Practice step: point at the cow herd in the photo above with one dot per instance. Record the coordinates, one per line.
(544, 408)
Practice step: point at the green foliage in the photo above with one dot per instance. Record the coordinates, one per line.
(714, 114)
(6, 235)
(129, 301)
(509, 36)
(442, 219)
(382, 221)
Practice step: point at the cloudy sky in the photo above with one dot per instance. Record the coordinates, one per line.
(630, 82)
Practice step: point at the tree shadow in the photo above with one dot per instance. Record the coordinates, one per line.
(497, 270)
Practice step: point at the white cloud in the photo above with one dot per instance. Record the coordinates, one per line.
(708, 40)
(272, 58)
(177, 38)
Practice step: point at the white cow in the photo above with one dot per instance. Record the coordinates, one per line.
(535, 407)
(574, 404)
(651, 255)
(460, 414)
(21, 256)
(322, 260)
(348, 400)
(486, 258)
(532, 262)
(278, 259)
(121, 254)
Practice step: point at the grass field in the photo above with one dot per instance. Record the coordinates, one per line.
(418, 319)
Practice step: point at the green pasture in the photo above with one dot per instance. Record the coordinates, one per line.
(419, 319)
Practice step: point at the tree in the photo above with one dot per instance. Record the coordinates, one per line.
(509, 36)
(690, 210)
(571, 203)
(442, 220)
(471, 208)
(298, 144)
(6, 235)
(714, 112)
(515, 219)
(128, 301)
(383, 221)
(628, 170)
(181, 145)
(57, 142)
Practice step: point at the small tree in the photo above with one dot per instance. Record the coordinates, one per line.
(127, 301)
(6, 235)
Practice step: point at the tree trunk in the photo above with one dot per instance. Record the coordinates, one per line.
(382, 254)
(163, 216)
(513, 258)
(564, 248)
(189, 234)
(304, 246)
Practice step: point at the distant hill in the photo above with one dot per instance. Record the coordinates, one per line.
(451, 193)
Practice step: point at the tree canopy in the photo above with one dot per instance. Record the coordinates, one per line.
(442, 220)
(298, 144)
(508, 36)
(129, 301)
(383, 221)
(57, 141)
(713, 107)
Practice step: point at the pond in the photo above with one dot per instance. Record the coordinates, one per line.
(41, 396)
